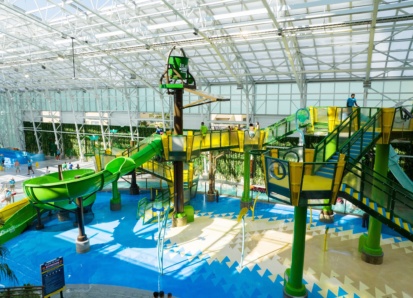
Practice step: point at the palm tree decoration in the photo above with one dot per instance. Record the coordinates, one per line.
(5, 271)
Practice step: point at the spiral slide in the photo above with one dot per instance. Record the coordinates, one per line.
(49, 192)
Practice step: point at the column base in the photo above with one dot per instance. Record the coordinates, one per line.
(82, 246)
(63, 215)
(372, 259)
(179, 222)
(326, 218)
(245, 204)
(210, 197)
(39, 226)
(286, 295)
(115, 206)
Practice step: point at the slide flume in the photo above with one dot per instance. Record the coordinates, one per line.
(48, 192)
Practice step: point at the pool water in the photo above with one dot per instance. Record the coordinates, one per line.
(200, 260)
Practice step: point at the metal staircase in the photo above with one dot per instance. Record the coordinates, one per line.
(354, 137)
(371, 192)
(158, 169)
(379, 197)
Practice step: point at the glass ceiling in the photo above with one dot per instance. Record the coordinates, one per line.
(123, 43)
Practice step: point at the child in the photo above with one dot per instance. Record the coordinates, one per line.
(29, 167)
(12, 183)
(7, 196)
(17, 166)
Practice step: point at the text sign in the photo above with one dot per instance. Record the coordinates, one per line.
(53, 277)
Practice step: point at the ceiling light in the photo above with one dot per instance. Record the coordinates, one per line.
(195, 31)
(44, 67)
(60, 57)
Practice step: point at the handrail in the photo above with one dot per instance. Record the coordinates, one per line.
(347, 124)
(346, 147)
(353, 126)
(161, 170)
(395, 199)
(281, 128)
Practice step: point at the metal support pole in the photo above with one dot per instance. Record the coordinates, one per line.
(178, 165)
(246, 200)
(369, 245)
(293, 277)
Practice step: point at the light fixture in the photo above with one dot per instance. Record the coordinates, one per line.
(60, 57)
(132, 76)
(239, 86)
(148, 47)
(44, 67)
(196, 31)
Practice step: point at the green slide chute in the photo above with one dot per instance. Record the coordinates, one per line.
(49, 192)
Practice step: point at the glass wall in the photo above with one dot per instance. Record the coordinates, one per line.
(263, 99)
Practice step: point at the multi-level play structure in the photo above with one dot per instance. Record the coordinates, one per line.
(299, 176)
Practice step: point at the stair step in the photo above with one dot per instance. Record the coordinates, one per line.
(324, 174)
(328, 168)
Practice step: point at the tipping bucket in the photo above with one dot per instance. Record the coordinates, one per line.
(180, 64)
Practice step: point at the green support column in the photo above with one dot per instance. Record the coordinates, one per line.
(246, 200)
(115, 202)
(293, 277)
(327, 214)
(369, 244)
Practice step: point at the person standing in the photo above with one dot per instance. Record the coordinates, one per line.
(204, 129)
(12, 184)
(57, 154)
(29, 167)
(352, 101)
(17, 166)
(8, 196)
(159, 131)
(47, 171)
(64, 167)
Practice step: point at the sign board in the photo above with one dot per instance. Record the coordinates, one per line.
(53, 277)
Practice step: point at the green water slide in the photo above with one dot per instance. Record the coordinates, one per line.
(16, 217)
(398, 172)
(50, 192)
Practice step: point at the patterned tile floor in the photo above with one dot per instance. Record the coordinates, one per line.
(202, 259)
